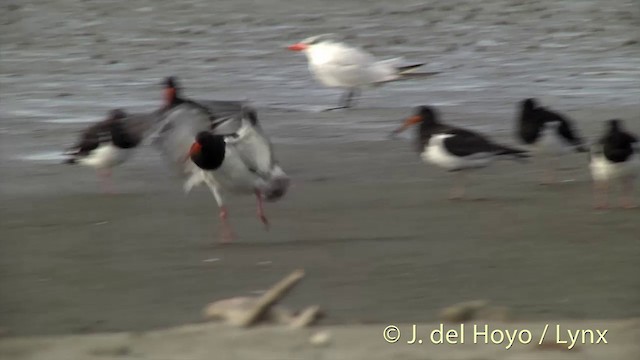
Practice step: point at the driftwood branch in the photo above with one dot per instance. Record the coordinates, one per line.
(307, 317)
(269, 298)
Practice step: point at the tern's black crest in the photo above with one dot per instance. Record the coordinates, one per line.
(617, 144)
(212, 151)
(317, 39)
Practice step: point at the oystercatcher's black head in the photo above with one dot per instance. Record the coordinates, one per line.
(208, 151)
(529, 104)
(614, 124)
(171, 90)
(117, 114)
(426, 114)
(170, 82)
(205, 138)
(252, 115)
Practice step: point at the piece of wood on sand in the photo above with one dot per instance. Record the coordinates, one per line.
(307, 317)
(269, 298)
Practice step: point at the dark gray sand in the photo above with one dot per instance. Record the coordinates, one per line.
(368, 222)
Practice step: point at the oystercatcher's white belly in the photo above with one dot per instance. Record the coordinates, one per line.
(437, 154)
(549, 144)
(604, 170)
(106, 156)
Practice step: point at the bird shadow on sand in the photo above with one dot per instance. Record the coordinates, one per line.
(296, 243)
(615, 208)
(560, 185)
(485, 200)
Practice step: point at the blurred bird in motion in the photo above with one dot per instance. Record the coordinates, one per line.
(110, 142)
(616, 156)
(548, 135)
(337, 64)
(454, 149)
(199, 144)
(173, 96)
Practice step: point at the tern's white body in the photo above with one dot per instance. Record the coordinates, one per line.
(336, 64)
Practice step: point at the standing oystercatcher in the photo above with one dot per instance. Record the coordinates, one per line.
(614, 157)
(548, 135)
(110, 142)
(454, 149)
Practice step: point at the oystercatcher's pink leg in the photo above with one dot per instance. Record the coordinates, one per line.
(600, 194)
(105, 180)
(549, 173)
(226, 232)
(261, 214)
(627, 201)
(459, 189)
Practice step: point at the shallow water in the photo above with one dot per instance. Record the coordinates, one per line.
(69, 62)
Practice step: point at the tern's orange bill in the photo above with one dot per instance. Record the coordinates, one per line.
(297, 47)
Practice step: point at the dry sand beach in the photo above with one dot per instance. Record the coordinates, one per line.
(369, 223)
(357, 342)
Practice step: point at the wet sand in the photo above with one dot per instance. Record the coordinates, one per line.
(369, 223)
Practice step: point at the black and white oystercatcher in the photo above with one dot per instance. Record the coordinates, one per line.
(616, 156)
(547, 134)
(454, 149)
(110, 142)
(240, 162)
